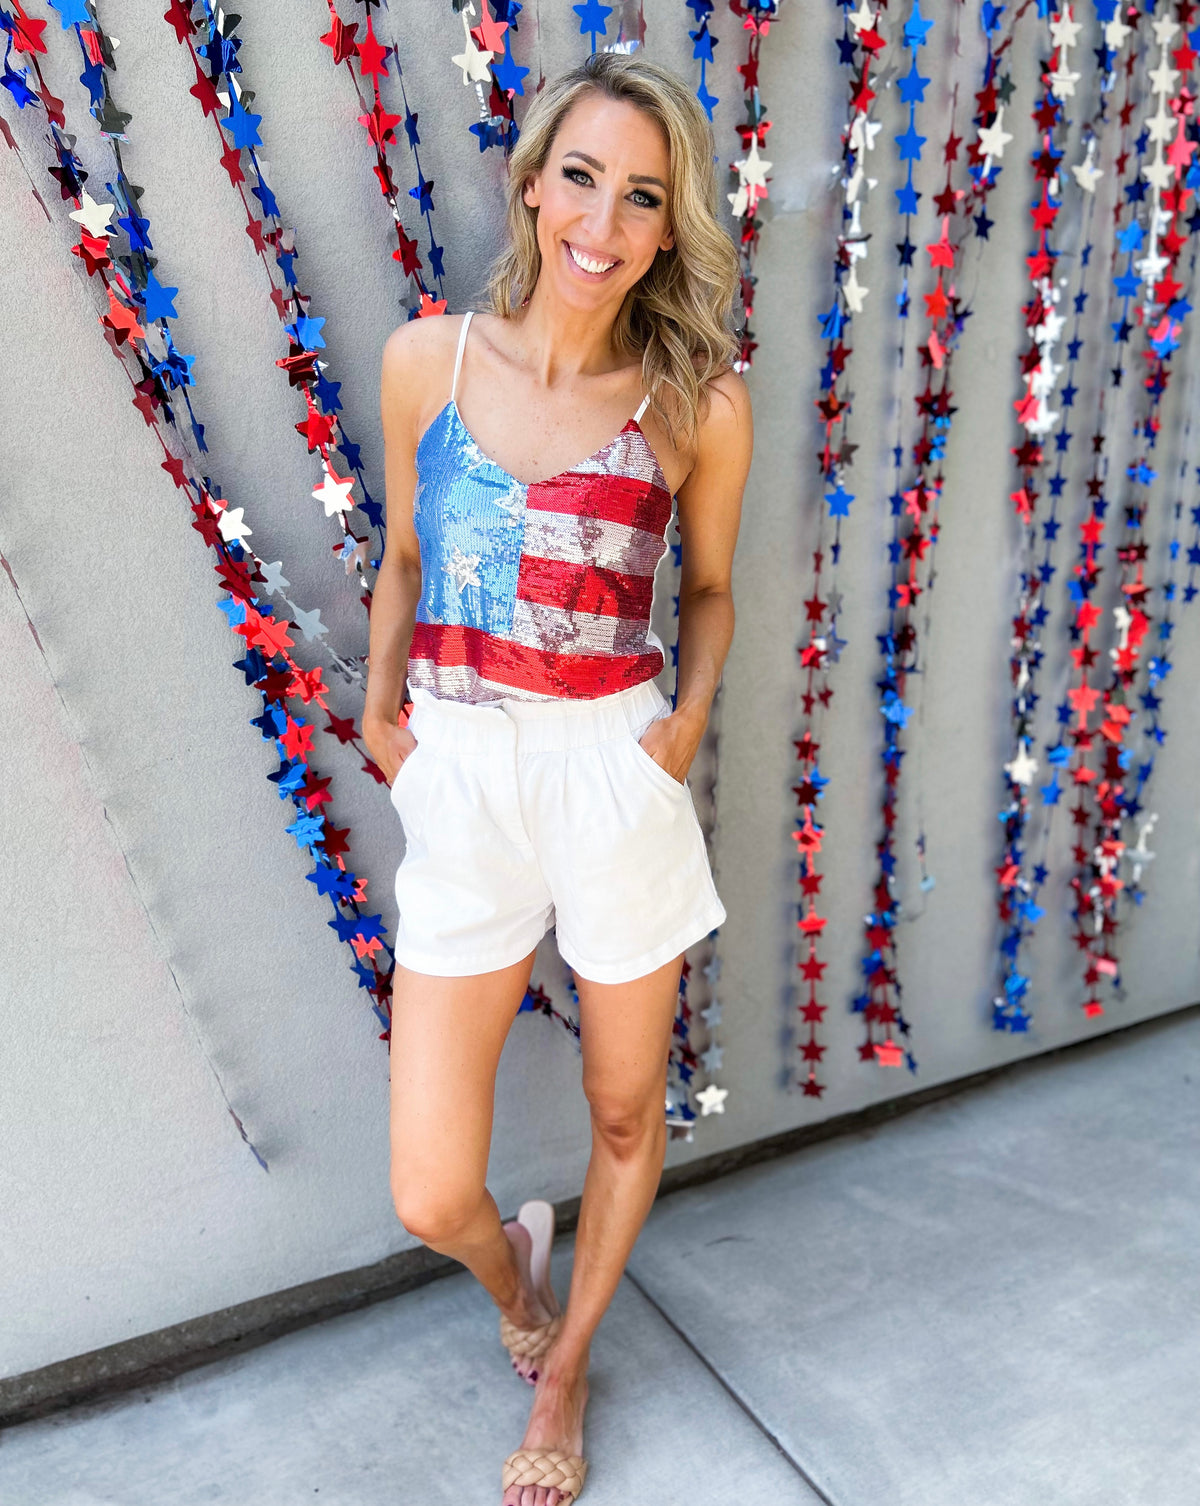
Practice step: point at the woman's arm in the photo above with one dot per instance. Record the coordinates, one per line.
(406, 352)
(710, 510)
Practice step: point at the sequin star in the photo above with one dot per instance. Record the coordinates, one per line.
(461, 569)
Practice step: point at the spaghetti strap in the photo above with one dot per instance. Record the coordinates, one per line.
(637, 417)
(462, 338)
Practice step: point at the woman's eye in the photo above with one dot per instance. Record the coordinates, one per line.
(650, 201)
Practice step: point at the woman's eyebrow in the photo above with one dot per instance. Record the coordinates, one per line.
(633, 177)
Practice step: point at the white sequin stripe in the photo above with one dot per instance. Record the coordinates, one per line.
(538, 625)
(576, 540)
(629, 454)
(460, 682)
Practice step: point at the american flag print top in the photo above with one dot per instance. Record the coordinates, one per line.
(538, 591)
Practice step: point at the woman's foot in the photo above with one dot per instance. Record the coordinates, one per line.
(556, 1422)
(528, 1310)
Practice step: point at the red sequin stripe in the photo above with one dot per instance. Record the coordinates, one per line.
(537, 669)
(584, 588)
(615, 499)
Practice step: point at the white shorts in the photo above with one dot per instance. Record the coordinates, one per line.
(523, 815)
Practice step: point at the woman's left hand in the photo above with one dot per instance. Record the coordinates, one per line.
(672, 741)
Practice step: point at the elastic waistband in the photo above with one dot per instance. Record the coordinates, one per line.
(535, 726)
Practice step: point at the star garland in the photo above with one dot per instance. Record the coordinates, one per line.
(1019, 889)
(1045, 323)
(538, 1001)
(909, 144)
(949, 202)
(914, 510)
(712, 1096)
(683, 1061)
(157, 308)
(860, 47)
(879, 1001)
(238, 132)
(266, 662)
(593, 23)
(1080, 696)
(1172, 181)
(703, 42)
(496, 125)
(1158, 666)
(380, 126)
(1190, 589)
(750, 168)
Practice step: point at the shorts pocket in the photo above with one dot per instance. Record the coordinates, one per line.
(404, 765)
(405, 795)
(667, 781)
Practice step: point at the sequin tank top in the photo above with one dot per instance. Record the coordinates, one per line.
(541, 591)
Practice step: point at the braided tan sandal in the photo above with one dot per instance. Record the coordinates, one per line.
(532, 1343)
(546, 1466)
(529, 1343)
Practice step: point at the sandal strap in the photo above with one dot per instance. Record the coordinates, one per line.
(545, 1466)
(529, 1343)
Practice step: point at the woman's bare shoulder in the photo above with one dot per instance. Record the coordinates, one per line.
(418, 359)
(728, 403)
(725, 434)
(412, 345)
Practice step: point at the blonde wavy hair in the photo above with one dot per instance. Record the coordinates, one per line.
(679, 313)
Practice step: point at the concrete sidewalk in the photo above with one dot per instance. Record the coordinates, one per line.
(992, 1301)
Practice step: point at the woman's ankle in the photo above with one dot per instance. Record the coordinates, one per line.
(524, 1311)
(563, 1367)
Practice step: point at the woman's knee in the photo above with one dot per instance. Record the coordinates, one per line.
(435, 1214)
(625, 1123)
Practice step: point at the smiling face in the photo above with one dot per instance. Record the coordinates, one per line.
(602, 201)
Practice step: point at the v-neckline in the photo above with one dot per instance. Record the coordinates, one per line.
(568, 470)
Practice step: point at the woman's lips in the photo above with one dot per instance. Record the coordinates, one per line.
(583, 272)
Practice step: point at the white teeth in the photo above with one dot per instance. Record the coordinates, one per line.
(587, 264)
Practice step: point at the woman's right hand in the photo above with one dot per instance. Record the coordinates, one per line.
(388, 744)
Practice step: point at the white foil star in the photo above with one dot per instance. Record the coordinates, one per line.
(93, 217)
(474, 64)
(334, 491)
(1023, 767)
(712, 1099)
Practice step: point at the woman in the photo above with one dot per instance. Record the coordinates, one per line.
(541, 779)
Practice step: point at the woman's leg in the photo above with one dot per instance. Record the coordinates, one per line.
(625, 1033)
(446, 1039)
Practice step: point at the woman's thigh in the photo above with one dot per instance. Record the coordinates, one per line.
(625, 1037)
(446, 1038)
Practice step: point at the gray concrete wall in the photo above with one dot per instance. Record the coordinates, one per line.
(163, 961)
